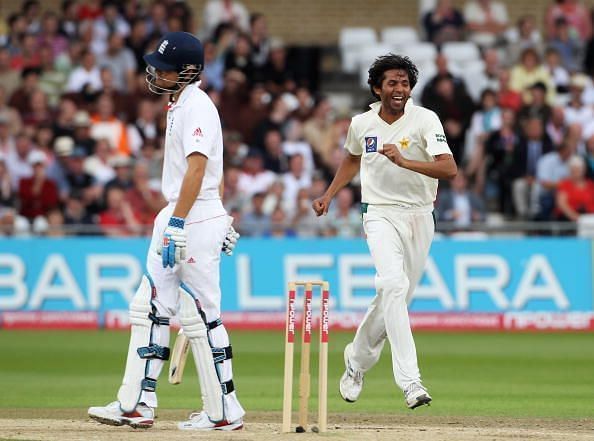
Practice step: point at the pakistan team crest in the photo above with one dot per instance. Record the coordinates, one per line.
(404, 143)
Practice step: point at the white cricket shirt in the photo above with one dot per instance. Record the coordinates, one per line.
(419, 136)
(193, 125)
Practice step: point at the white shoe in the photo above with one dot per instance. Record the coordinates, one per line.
(200, 421)
(351, 382)
(416, 395)
(142, 417)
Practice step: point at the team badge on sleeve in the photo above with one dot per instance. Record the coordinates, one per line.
(371, 144)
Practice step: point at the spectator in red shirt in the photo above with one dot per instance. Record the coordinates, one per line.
(118, 219)
(20, 99)
(144, 201)
(575, 195)
(38, 194)
(90, 10)
(28, 56)
(508, 98)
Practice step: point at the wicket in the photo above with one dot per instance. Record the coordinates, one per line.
(304, 377)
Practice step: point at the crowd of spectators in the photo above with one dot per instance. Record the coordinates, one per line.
(525, 143)
(81, 137)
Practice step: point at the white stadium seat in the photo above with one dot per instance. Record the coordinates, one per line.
(427, 70)
(461, 52)
(350, 42)
(585, 225)
(399, 35)
(367, 55)
(419, 53)
(473, 74)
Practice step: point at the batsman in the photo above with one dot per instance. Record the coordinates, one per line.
(182, 267)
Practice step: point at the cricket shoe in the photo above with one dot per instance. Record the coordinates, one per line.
(142, 417)
(416, 395)
(351, 382)
(200, 421)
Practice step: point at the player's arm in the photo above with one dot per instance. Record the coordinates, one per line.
(444, 166)
(191, 184)
(347, 170)
(435, 143)
(173, 250)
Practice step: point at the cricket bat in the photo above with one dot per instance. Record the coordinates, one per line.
(179, 356)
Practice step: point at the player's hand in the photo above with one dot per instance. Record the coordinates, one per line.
(321, 205)
(173, 249)
(392, 152)
(230, 241)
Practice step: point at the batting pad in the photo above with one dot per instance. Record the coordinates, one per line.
(141, 349)
(194, 325)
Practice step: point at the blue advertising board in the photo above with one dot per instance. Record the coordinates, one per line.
(486, 276)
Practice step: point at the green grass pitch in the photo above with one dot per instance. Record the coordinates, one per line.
(516, 375)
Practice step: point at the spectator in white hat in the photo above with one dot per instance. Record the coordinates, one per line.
(82, 131)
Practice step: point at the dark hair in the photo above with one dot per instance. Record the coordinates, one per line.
(255, 17)
(486, 92)
(389, 62)
(29, 4)
(66, 4)
(30, 71)
(12, 18)
(540, 86)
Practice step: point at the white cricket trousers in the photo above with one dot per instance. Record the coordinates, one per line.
(399, 240)
(206, 226)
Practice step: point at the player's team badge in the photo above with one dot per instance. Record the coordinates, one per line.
(371, 144)
(163, 46)
(404, 142)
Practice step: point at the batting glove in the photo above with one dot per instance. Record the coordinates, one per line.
(230, 241)
(174, 242)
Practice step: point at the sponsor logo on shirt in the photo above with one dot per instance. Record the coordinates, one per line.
(404, 142)
(371, 144)
(440, 137)
(197, 132)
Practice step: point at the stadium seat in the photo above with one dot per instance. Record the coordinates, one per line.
(420, 53)
(427, 71)
(367, 55)
(585, 225)
(399, 35)
(475, 79)
(461, 52)
(350, 42)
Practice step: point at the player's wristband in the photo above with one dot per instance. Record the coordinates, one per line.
(177, 222)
